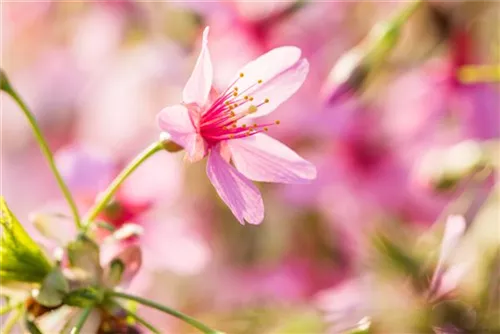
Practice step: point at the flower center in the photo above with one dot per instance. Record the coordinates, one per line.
(223, 119)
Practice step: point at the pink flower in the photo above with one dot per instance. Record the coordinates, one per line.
(211, 124)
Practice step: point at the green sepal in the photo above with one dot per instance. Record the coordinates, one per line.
(53, 289)
(84, 297)
(21, 258)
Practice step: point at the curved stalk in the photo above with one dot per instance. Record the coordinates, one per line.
(6, 87)
(106, 196)
(193, 322)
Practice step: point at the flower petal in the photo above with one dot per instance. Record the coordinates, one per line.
(242, 197)
(454, 230)
(282, 73)
(56, 227)
(199, 84)
(262, 158)
(176, 121)
(196, 147)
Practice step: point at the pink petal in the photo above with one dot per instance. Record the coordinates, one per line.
(196, 147)
(451, 278)
(262, 158)
(454, 230)
(199, 84)
(176, 121)
(239, 193)
(282, 73)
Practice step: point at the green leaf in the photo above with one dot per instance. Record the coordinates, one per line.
(53, 289)
(21, 259)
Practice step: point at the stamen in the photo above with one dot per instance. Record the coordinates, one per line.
(235, 94)
(260, 81)
(252, 109)
(266, 129)
(277, 122)
(242, 75)
(266, 101)
(251, 98)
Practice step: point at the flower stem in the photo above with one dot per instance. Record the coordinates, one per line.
(9, 308)
(81, 321)
(106, 196)
(407, 12)
(6, 87)
(193, 322)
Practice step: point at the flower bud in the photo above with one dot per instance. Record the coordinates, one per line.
(443, 169)
(83, 255)
(352, 71)
(4, 81)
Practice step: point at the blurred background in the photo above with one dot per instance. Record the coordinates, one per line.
(403, 129)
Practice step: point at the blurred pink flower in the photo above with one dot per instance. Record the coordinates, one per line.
(208, 123)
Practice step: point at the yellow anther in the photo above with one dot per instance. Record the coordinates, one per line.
(265, 129)
(277, 122)
(232, 113)
(252, 109)
(246, 97)
(235, 94)
(242, 75)
(243, 126)
(250, 98)
(231, 107)
(234, 125)
(260, 81)
(235, 105)
(226, 103)
(255, 125)
(235, 88)
(266, 101)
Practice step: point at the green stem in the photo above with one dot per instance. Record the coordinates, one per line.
(6, 87)
(193, 322)
(407, 12)
(106, 196)
(81, 321)
(9, 308)
(12, 321)
(139, 319)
